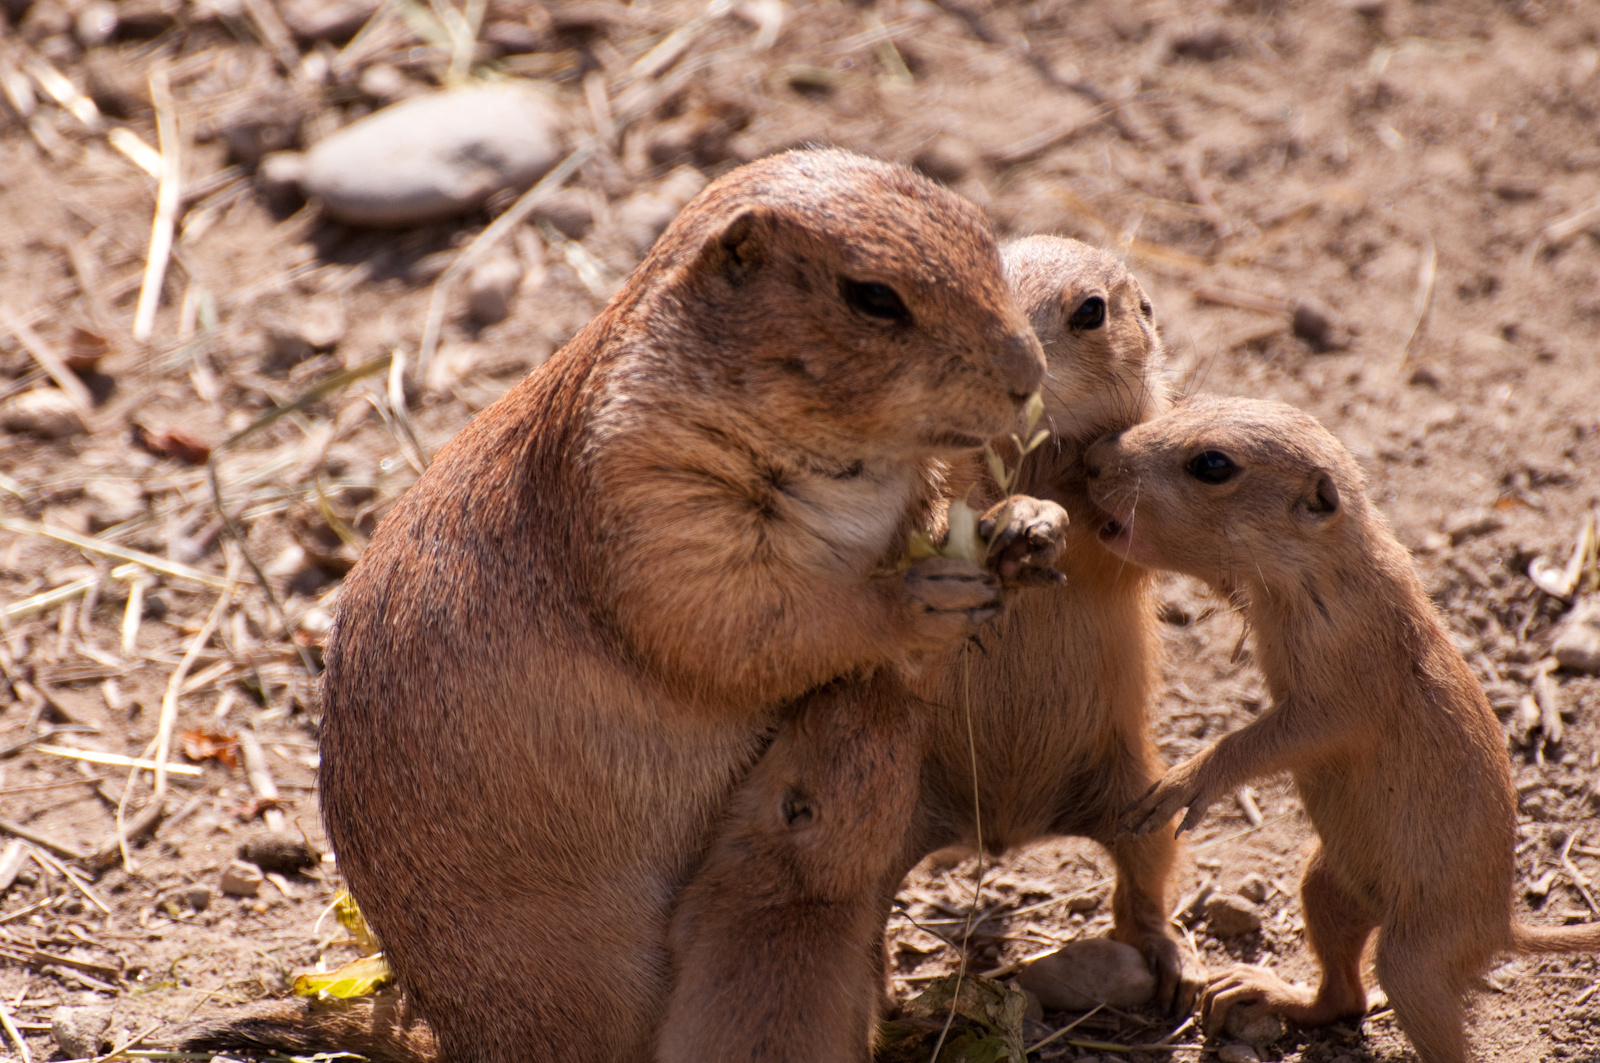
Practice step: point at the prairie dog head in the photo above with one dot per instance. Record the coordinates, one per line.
(843, 304)
(1101, 345)
(1236, 492)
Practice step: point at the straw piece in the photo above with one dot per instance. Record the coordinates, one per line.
(96, 757)
(138, 152)
(169, 200)
(122, 553)
(484, 242)
(49, 360)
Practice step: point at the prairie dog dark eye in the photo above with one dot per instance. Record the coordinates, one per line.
(874, 300)
(1211, 467)
(1091, 314)
(1145, 308)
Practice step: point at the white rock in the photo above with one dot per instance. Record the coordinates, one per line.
(1089, 972)
(435, 156)
(80, 1031)
(1238, 1053)
(1229, 915)
(1577, 641)
(44, 412)
(241, 879)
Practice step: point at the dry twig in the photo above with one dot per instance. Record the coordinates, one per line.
(169, 201)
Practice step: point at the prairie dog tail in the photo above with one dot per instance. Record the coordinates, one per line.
(374, 1029)
(1584, 937)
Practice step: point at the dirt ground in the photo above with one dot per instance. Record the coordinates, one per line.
(1384, 211)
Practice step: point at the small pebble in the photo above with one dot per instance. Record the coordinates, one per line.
(1253, 888)
(240, 879)
(1238, 1053)
(435, 156)
(491, 286)
(1315, 323)
(326, 20)
(80, 1031)
(1229, 915)
(947, 159)
(43, 412)
(1577, 641)
(199, 897)
(284, 853)
(1087, 972)
(1258, 1030)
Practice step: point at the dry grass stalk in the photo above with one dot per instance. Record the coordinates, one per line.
(75, 878)
(50, 360)
(1564, 228)
(1068, 1028)
(1261, 304)
(33, 837)
(118, 760)
(121, 553)
(137, 151)
(274, 34)
(169, 201)
(1427, 271)
(38, 603)
(483, 243)
(59, 88)
(673, 45)
(162, 744)
(261, 781)
(9, 1021)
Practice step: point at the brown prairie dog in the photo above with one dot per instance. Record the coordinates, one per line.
(1059, 699)
(864, 779)
(570, 640)
(1390, 741)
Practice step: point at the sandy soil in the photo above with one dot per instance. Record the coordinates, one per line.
(1425, 177)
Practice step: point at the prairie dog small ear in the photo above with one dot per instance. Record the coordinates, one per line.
(740, 248)
(1323, 501)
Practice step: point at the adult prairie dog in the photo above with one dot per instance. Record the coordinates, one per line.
(1387, 734)
(572, 638)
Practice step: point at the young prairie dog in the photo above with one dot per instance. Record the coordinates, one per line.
(572, 638)
(1390, 741)
(1059, 698)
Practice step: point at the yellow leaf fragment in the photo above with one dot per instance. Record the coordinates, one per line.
(358, 978)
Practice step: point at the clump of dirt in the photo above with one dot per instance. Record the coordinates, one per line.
(1387, 212)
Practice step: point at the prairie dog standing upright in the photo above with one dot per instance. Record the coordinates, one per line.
(571, 639)
(1387, 734)
(1059, 699)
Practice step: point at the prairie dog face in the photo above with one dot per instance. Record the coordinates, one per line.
(851, 306)
(1098, 330)
(1231, 491)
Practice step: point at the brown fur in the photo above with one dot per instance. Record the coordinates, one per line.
(865, 781)
(1058, 702)
(1382, 725)
(573, 637)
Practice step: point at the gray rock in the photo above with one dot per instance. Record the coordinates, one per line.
(240, 879)
(43, 412)
(491, 286)
(1234, 1052)
(1258, 1031)
(435, 156)
(1229, 915)
(1577, 641)
(1092, 971)
(80, 1032)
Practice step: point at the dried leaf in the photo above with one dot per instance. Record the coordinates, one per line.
(349, 915)
(171, 443)
(1034, 410)
(358, 978)
(997, 468)
(201, 744)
